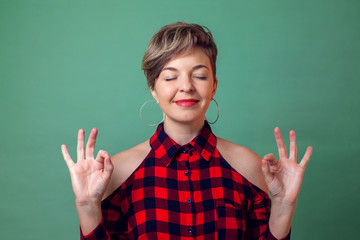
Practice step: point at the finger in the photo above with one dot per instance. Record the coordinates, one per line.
(66, 155)
(266, 170)
(292, 145)
(108, 168)
(280, 143)
(80, 145)
(271, 159)
(100, 158)
(306, 157)
(90, 146)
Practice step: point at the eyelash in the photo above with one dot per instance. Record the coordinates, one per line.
(169, 79)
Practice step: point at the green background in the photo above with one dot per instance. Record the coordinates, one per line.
(68, 64)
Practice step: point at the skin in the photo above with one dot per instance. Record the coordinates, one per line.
(187, 76)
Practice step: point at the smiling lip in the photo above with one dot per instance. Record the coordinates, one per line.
(186, 102)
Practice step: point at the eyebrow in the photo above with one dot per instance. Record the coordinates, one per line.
(194, 68)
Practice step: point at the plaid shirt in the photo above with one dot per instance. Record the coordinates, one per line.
(185, 192)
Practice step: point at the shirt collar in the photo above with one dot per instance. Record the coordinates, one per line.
(165, 148)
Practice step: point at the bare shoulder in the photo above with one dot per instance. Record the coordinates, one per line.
(244, 161)
(125, 164)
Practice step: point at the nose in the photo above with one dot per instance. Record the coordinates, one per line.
(186, 84)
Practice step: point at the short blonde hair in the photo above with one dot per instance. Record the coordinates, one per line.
(173, 40)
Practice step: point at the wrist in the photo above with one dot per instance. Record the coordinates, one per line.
(90, 215)
(88, 207)
(87, 202)
(283, 208)
(280, 201)
(281, 217)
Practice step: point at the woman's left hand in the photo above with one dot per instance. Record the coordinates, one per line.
(284, 176)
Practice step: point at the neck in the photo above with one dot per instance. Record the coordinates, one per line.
(182, 133)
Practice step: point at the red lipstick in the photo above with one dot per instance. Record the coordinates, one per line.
(186, 102)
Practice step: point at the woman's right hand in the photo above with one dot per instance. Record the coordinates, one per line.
(89, 177)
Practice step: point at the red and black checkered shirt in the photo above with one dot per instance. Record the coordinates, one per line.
(185, 192)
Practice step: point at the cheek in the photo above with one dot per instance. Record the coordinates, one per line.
(166, 94)
(208, 92)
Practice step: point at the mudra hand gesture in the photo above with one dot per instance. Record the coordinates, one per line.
(89, 177)
(284, 177)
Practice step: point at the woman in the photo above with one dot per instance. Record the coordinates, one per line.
(184, 182)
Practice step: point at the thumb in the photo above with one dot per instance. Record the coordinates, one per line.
(108, 168)
(271, 159)
(101, 156)
(267, 161)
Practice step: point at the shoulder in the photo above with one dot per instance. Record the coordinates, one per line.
(244, 161)
(125, 164)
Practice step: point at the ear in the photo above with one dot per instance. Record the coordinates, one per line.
(154, 94)
(214, 87)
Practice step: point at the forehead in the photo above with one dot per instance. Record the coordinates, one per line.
(190, 58)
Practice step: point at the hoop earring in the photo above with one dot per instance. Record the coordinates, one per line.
(218, 114)
(151, 125)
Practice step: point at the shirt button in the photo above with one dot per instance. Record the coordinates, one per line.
(185, 151)
(189, 201)
(186, 173)
(191, 230)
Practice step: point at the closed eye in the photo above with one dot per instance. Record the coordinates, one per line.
(170, 77)
(199, 77)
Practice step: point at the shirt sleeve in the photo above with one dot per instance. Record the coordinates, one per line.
(113, 224)
(99, 233)
(257, 221)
